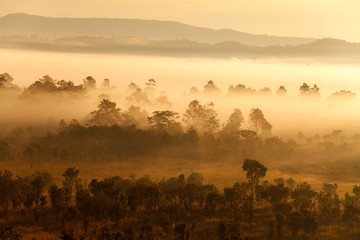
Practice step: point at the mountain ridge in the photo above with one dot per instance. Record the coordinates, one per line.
(328, 50)
(21, 24)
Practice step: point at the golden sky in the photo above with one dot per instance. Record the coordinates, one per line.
(305, 18)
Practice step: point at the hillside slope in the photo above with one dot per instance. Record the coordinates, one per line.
(29, 25)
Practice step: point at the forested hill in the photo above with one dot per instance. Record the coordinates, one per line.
(328, 50)
(46, 27)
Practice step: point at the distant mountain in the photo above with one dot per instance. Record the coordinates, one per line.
(53, 28)
(323, 49)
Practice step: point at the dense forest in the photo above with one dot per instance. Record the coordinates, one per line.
(180, 208)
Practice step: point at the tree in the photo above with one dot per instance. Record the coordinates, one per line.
(89, 82)
(165, 122)
(351, 212)
(150, 85)
(343, 94)
(303, 197)
(45, 84)
(38, 186)
(106, 234)
(335, 136)
(291, 183)
(307, 91)
(295, 223)
(196, 179)
(149, 91)
(180, 231)
(162, 100)
(241, 89)
(5, 151)
(6, 81)
(281, 91)
(137, 95)
(304, 88)
(329, 204)
(57, 198)
(70, 175)
(265, 91)
(281, 213)
(193, 91)
(233, 195)
(214, 199)
(258, 122)
(29, 152)
(106, 83)
(135, 116)
(62, 125)
(222, 230)
(211, 88)
(203, 118)
(10, 233)
(316, 137)
(106, 115)
(68, 86)
(7, 188)
(84, 203)
(309, 223)
(234, 122)
(277, 194)
(254, 171)
(301, 136)
(68, 234)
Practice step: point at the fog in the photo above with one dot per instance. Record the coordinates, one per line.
(178, 73)
(175, 77)
(311, 120)
(307, 132)
(157, 127)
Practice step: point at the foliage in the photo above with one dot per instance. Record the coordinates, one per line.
(106, 115)
(203, 118)
(10, 233)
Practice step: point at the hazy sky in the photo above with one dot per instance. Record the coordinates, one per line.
(307, 18)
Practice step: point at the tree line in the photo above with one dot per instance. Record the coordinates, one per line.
(132, 133)
(112, 132)
(182, 207)
(139, 96)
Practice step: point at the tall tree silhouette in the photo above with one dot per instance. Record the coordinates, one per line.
(165, 122)
(258, 122)
(106, 115)
(254, 171)
(203, 118)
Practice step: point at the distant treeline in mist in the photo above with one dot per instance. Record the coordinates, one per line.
(108, 133)
(179, 208)
(322, 49)
(197, 133)
(141, 96)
